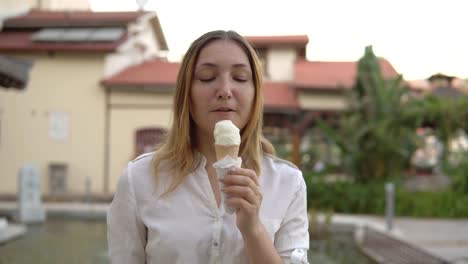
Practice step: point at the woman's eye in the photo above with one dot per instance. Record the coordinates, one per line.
(206, 79)
(240, 79)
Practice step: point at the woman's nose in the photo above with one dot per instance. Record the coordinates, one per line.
(224, 90)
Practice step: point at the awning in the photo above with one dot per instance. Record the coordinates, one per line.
(14, 72)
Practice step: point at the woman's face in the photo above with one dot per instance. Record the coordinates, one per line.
(222, 86)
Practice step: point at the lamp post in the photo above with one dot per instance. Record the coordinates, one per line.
(389, 204)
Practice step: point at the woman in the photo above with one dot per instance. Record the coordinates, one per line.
(166, 208)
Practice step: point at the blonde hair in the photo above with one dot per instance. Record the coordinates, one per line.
(177, 151)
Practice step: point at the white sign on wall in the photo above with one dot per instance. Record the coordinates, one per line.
(59, 125)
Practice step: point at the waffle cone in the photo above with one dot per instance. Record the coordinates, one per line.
(224, 150)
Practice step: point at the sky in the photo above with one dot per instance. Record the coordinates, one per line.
(419, 38)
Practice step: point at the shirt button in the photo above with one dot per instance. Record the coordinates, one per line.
(215, 243)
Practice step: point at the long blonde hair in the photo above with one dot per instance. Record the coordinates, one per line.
(178, 151)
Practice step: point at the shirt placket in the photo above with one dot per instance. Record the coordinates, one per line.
(216, 239)
(215, 252)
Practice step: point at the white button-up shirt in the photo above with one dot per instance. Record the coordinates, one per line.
(186, 226)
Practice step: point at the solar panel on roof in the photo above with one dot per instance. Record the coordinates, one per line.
(78, 34)
(49, 35)
(106, 34)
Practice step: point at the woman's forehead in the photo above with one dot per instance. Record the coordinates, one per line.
(219, 52)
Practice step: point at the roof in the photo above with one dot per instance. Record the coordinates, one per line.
(440, 76)
(150, 73)
(279, 95)
(425, 84)
(40, 19)
(419, 85)
(332, 74)
(268, 41)
(18, 32)
(22, 41)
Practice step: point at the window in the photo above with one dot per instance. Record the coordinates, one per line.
(147, 139)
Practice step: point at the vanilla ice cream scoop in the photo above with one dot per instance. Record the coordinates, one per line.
(226, 133)
(227, 139)
(227, 143)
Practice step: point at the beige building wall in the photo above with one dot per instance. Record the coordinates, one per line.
(280, 64)
(322, 101)
(129, 113)
(62, 84)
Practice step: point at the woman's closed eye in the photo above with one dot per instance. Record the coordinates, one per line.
(241, 75)
(206, 79)
(241, 79)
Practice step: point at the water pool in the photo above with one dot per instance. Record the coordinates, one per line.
(84, 242)
(59, 241)
(336, 246)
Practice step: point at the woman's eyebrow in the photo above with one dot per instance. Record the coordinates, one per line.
(240, 65)
(210, 64)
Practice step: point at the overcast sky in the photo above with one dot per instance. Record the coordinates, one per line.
(419, 38)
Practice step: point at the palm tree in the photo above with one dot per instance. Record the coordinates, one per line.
(375, 135)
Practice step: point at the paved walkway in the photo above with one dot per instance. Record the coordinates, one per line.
(446, 238)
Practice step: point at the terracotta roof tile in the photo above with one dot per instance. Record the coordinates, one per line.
(151, 73)
(267, 41)
(332, 75)
(279, 96)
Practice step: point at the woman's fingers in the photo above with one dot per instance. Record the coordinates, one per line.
(251, 195)
(242, 204)
(242, 189)
(246, 172)
(243, 177)
(238, 180)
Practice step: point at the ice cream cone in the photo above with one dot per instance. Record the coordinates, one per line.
(224, 150)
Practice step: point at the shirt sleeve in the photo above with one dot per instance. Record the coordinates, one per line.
(126, 234)
(292, 238)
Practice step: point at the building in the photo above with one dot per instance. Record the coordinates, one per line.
(439, 85)
(59, 121)
(100, 93)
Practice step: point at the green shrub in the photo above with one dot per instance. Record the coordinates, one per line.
(458, 173)
(369, 198)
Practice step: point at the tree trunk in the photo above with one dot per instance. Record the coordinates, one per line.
(296, 138)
